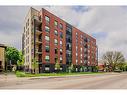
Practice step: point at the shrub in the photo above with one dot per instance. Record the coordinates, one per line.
(20, 74)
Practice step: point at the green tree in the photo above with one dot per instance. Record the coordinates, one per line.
(57, 66)
(12, 55)
(71, 68)
(35, 66)
(20, 62)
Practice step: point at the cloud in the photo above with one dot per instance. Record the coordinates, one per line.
(106, 24)
(11, 25)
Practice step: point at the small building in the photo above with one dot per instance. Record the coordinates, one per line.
(2, 57)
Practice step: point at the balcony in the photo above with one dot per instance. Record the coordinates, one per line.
(85, 40)
(38, 31)
(38, 58)
(38, 51)
(37, 20)
(39, 62)
(38, 40)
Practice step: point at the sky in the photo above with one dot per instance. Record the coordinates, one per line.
(108, 24)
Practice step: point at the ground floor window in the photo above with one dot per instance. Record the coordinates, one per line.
(47, 58)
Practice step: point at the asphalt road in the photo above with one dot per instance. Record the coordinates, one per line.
(98, 81)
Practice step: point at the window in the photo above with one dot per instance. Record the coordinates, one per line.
(56, 59)
(24, 29)
(61, 51)
(61, 43)
(88, 40)
(56, 32)
(81, 42)
(47, 19)
(76, 54)
(81, 56)
(85, 50)
(28, 22)
(85, 62)
(56, 50)
(56, 23)
(76, 48)
(81, 49)
(76, 34)
(28, 58)
(81, 61)
(47, 58)
(76, 41)
(61, 60)
(76, 61)
(28, 40)
(55, 41)
(81, 36)
(26, 25)
(61, 26)
(47, 38)
(88, 46)
(46, 48)
(28, 49)
(61, 34)
(88, 57)
(28, 31)
(47, 29)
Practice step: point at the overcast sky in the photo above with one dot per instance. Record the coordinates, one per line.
(107, 24)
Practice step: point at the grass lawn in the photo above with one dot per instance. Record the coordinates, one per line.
(23, 74)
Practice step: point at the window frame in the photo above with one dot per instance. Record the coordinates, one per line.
(61, 33)
(47, 29)
(55, 42)
(56, 32)
(46, 39)
(46, 48)
(56, 23)
(48, 59)
(47, 19)
(61, 26)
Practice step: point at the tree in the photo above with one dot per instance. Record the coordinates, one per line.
(20, 62)
(12, 55)
(57, 66)
(71, 68)
(35, 66)
(113, 60)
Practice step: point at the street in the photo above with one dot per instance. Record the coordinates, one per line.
(95, 81)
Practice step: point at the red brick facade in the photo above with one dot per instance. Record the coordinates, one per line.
(60, 42)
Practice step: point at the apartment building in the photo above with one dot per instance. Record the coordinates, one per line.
(48, 40)
(2, 57)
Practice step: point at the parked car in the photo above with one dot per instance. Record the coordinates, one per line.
(118, 71)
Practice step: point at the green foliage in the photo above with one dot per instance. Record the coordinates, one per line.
(23, 74)
(71, 68)
(20, 62)
(57, 65)
(20, 74)
(35, 65)
(12, 54)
